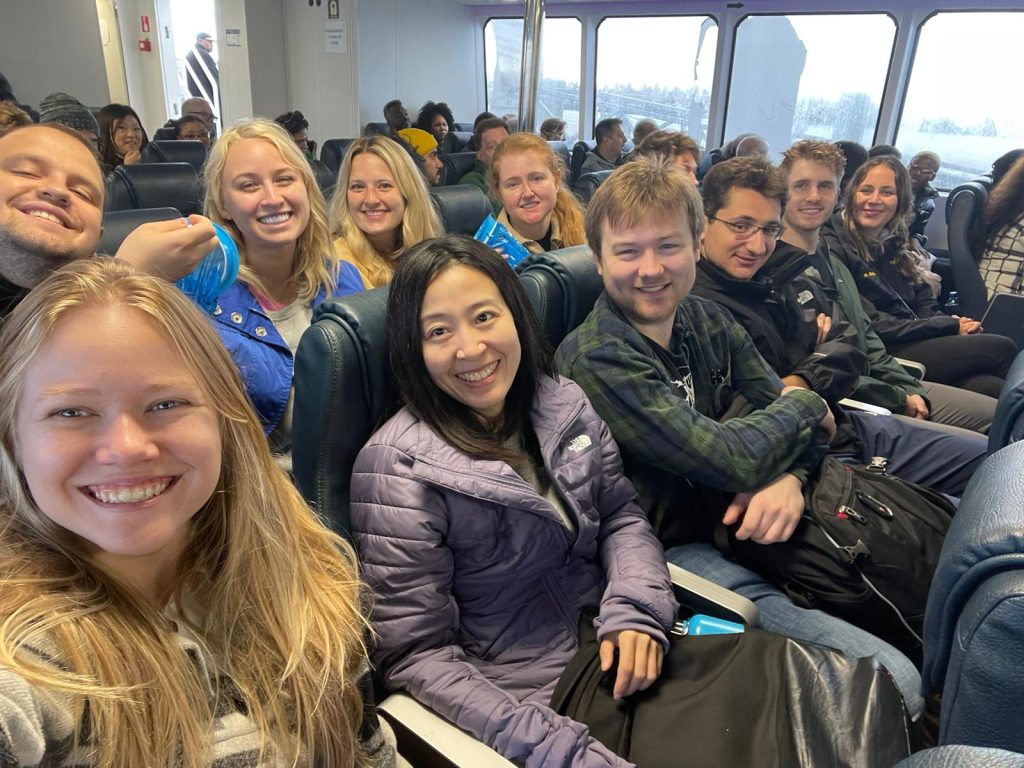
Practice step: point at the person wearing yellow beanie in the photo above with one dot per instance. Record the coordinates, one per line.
(426, 146)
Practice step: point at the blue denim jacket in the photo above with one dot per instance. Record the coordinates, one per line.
(263, 359)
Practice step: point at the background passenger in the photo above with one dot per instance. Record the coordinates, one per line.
(889, 150)
(922, 169)
(1002, 262)
(164, 585)
(262, 190)
(553, 129)
(437, 119)
(675, 147)
(642, 129)
(1003, 163)
(870, 235)
(385, 208)
(425, 145)
(479, 614)
(856, 155)
(396, 116)
(192, 128)
(201, 108)
(745, 145)
(539, 211)
(69, 111)
(298, 128)
(487, 135)
(122, 137)
(12, 116)
(608, 152)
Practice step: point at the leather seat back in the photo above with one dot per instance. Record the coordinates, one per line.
(974, 619)
(578, 156)
(332, 152)
(176, 151)
(587, 184)
(1008, 422)
(154, 185)
(343, 388)
(965, 207)
(456, 165)
(463, 207)
(563, 286)
(117, 225)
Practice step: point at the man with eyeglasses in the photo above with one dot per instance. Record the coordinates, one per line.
(802, 334)
(706, 429)
(199, 107)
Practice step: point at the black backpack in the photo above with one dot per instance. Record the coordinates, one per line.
(865, 550)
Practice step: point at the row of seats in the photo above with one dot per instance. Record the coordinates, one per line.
(137, 194)
(975, 616)
(965, 207)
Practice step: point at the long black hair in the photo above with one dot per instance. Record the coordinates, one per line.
(456, 424)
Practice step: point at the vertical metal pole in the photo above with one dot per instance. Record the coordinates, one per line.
(529, 74)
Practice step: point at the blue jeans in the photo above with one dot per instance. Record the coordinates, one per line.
(777, 613)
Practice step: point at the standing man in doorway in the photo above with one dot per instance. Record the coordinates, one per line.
(201, 72)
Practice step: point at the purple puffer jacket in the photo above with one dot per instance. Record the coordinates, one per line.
(480, 584)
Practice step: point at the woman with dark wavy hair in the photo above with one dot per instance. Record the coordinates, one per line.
(122, 137)
(1002, 261)
(872, 238)
(437, 118)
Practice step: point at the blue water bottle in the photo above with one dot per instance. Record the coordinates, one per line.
(213, 274)
(702, 624)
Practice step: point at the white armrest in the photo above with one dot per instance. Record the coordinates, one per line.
(868, 407)
(427, 739)
(703, 596)
(914, 368)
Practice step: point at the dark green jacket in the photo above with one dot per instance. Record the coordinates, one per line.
(668, 410)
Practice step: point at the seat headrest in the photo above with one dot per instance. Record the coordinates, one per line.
(985, 538)
(578, 156)
(462, 207)
(587, 184)
(154, 185)
(333, 151)
(456, 165)
(117, 225)
(325, 178)
(176, 151)
(563, 286)
(343, 388)
(1008, 422)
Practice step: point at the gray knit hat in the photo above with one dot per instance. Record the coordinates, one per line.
(69, 111)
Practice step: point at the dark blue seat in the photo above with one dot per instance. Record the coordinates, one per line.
(587, 184)
(562, 286)
(960, 756)
(964, 208)
(457, 165)
(117, 225)
(332, 152)
(1008, 422)
(176, 151)
(325, 177)
(974, 621)
(577, 157)
(462, 207)
(154, 185)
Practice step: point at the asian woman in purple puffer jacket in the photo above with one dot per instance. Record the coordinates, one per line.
(492, 510)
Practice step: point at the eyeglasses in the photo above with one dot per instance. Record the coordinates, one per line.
(744, 230)
(923, 171)
(194, 136)
(208, 116)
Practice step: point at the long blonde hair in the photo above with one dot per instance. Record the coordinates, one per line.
(315, 267)
(420, 221)
(568, 210)
(272, 595)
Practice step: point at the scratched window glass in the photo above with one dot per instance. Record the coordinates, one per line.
(818, 76)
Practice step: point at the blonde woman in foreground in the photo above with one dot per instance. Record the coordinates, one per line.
(168, 598)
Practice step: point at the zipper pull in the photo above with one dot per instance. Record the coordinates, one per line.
(882, 509)
(846, 510)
